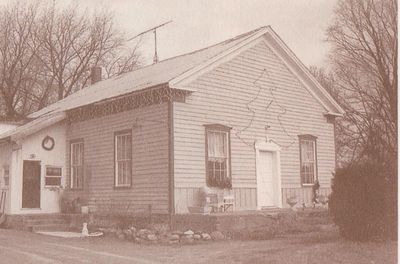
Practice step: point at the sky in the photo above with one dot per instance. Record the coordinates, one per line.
(201, 23)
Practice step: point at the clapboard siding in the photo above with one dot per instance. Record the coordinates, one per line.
(187, 197)
(245, 198)
(259, 80)
(149, 162)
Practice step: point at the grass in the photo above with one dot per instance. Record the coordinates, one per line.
(323, 246)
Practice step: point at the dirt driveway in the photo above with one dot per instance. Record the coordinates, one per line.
(322, 247)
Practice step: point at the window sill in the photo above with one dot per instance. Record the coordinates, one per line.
(122, 187)
(307, 184)
(74, 189)
(53, 188)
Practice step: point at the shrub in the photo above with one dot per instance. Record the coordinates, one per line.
(364, 202)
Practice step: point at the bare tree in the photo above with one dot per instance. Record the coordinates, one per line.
(18, 45)
(364, 36)
(72, 42)
(46, 53)
(121, 60)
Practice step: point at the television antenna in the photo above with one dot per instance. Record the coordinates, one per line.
(154, 30)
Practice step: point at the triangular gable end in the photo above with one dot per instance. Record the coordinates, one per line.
(282, 51)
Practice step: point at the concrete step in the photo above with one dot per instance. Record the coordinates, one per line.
(32, 222)
(50, 227)
(43, 216)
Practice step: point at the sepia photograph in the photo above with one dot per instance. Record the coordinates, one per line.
(199, 131)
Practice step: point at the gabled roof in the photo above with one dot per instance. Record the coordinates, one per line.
(142, 78)
(34, 125)
(178, 70)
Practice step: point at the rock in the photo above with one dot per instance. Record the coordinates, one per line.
(151, 237)
(205, 236)
(143, 233)
(177, 232)
(187, 239)
(171, 242)
(188, 232)
(161, 229)
(118, 232)
(129, 234)
(173, 237)
(121, 236)
(217, 235)
(138, 240)
(108, 231)
(197, 237)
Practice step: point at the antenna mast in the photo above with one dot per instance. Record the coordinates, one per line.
(154, 29)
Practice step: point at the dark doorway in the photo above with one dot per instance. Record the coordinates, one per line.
(31, 184)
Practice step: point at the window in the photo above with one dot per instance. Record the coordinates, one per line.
(6, 175)
(308, 159)
(77, 165)
(218, 156)
(123, 158)
(53, 176)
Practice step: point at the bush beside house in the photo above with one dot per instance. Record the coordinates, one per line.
(363, 201)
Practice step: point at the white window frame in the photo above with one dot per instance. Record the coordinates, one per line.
(76, 165)
(53, 176)
(217, 128)
(313, 140)
(4, 169)
(128, 160)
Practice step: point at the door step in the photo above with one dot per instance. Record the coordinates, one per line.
(33, 222)
(45, 222)
(269, 208)
(50, 227)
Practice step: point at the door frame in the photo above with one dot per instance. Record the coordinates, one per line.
(40, 185)
(275, 149)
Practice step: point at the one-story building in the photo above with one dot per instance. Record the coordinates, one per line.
(244, 116)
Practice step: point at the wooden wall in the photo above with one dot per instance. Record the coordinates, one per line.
(149, 159)
(253, 90)
(245, 198)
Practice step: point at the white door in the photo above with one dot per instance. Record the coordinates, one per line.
(265, 179)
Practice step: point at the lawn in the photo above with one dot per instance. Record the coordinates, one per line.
(305, 248)
(302, 248)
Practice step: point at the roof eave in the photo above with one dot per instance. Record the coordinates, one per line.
(334, 114)
(338, 110)
(179, 81)
(33, 126)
